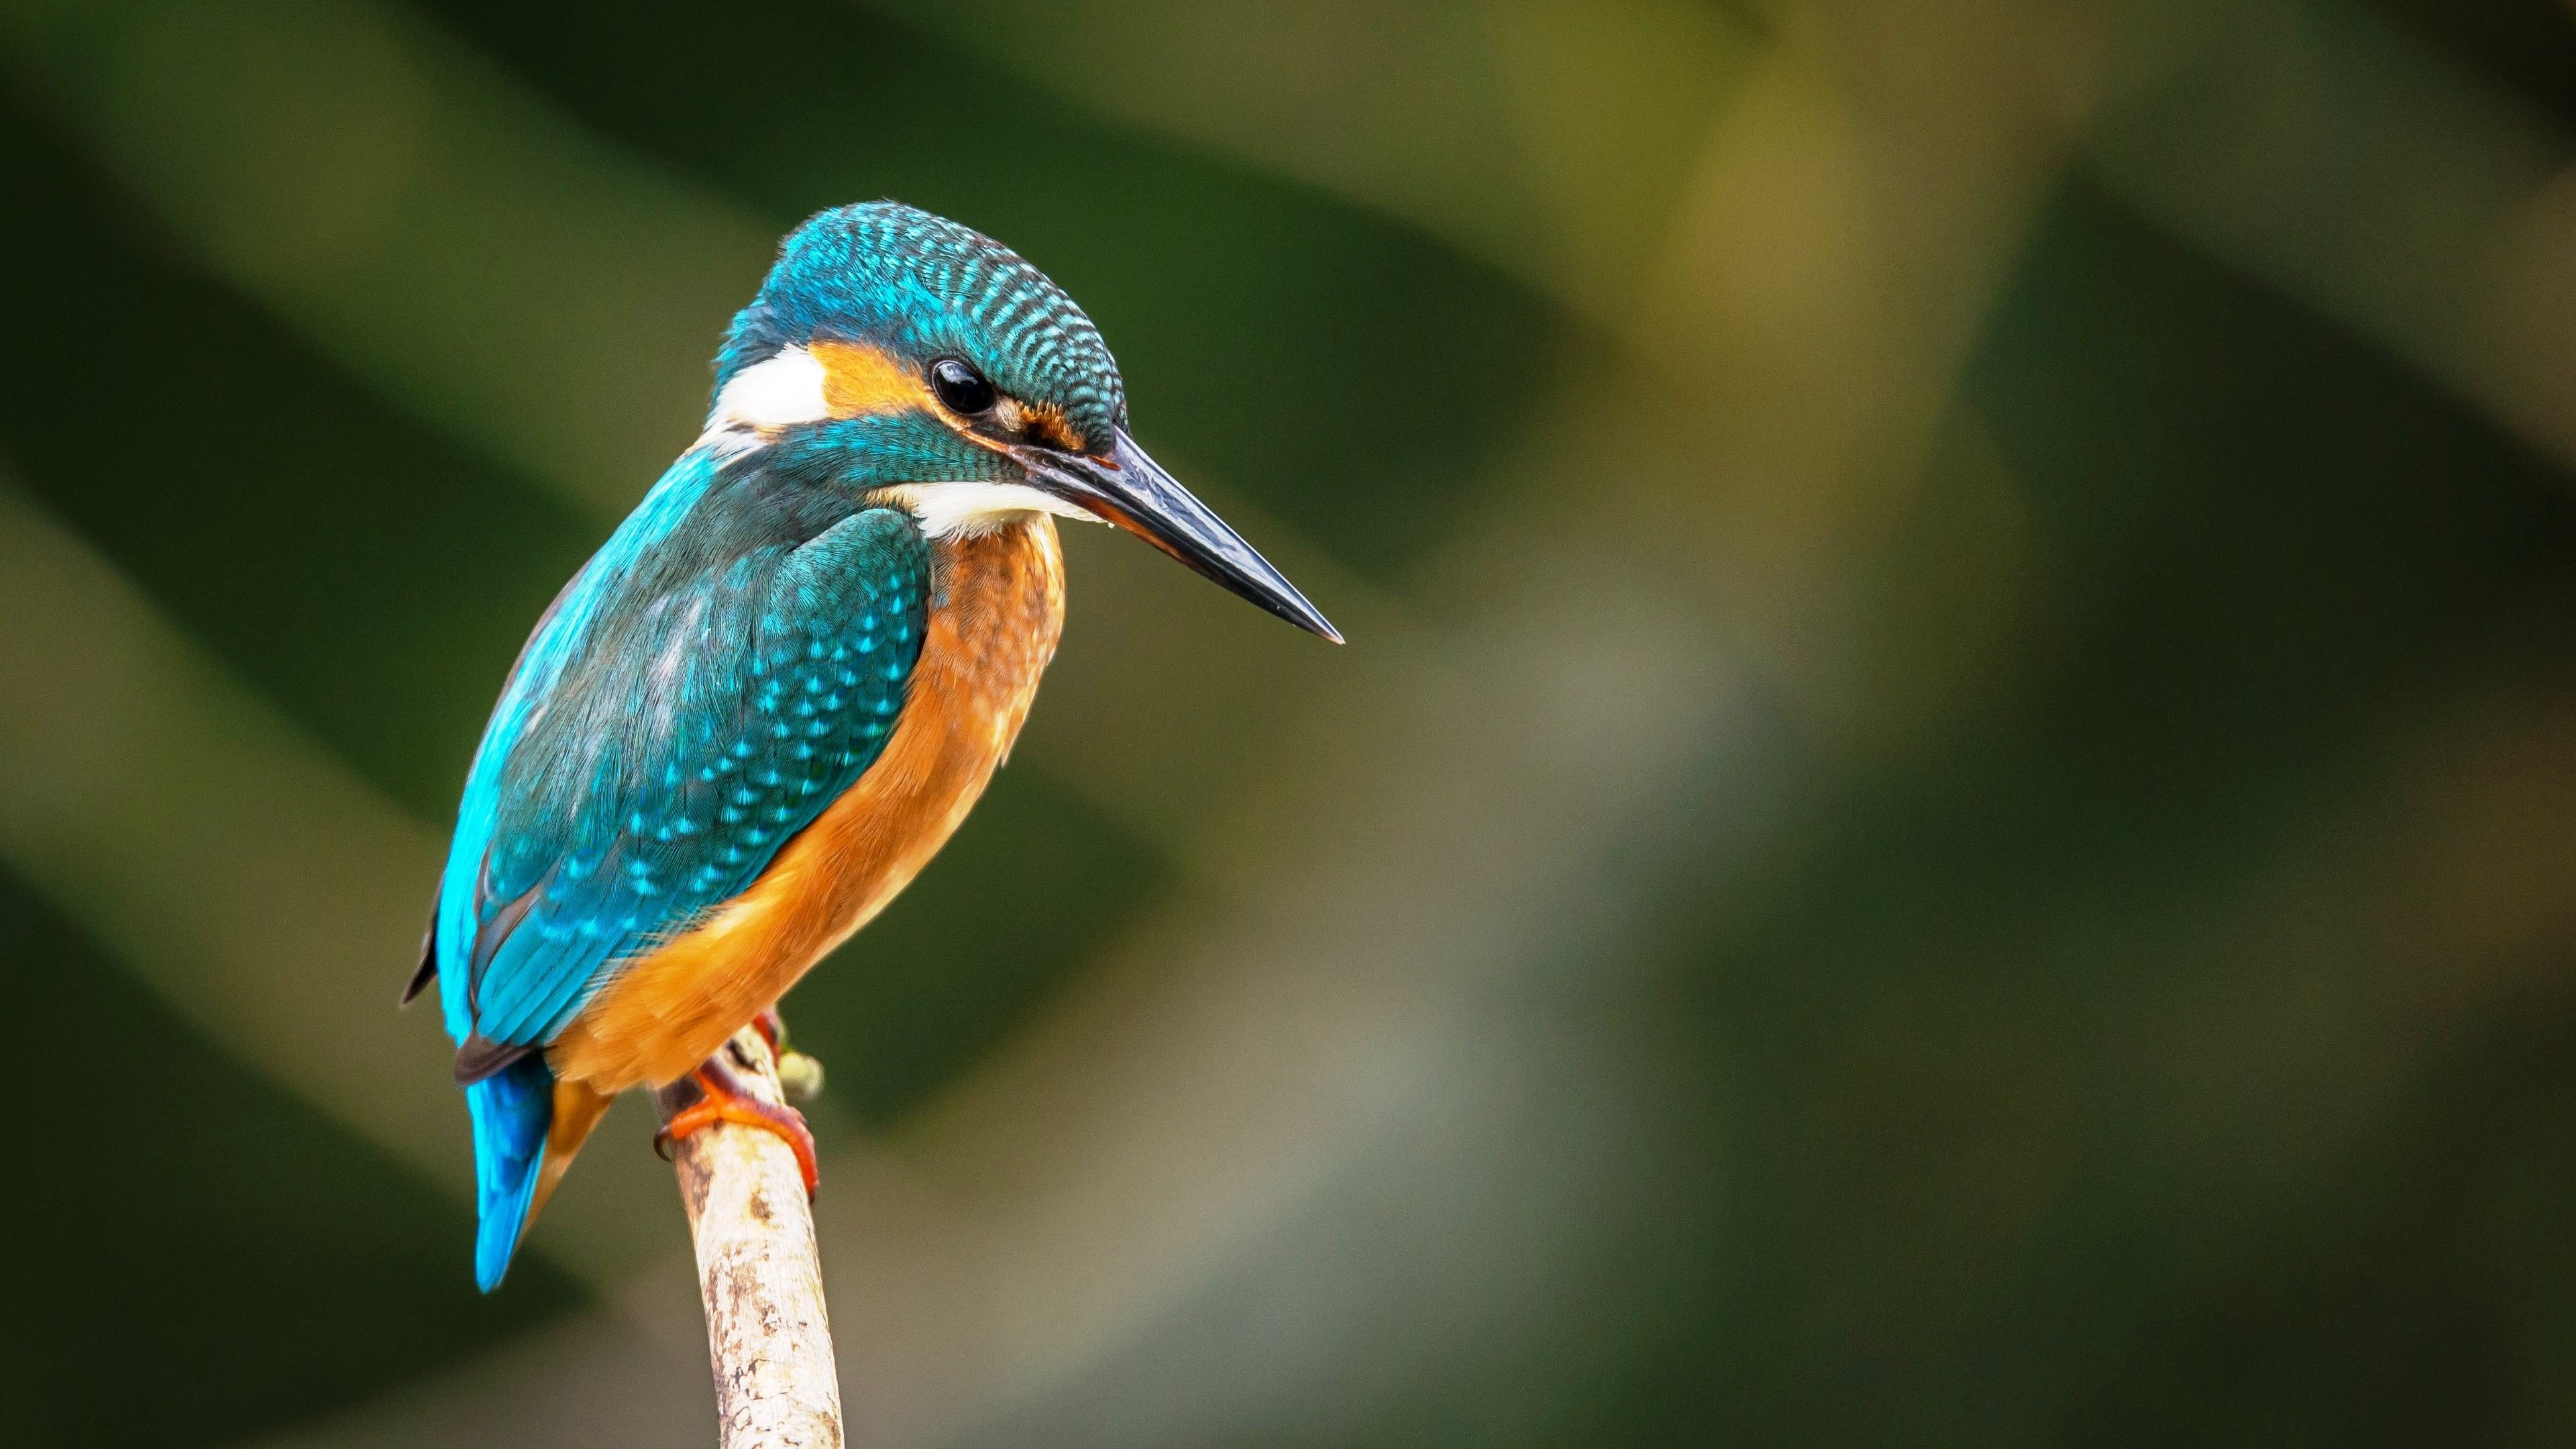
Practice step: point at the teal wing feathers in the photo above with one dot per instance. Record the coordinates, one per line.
(682, 713)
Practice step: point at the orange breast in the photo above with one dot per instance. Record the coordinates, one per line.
(997, 610)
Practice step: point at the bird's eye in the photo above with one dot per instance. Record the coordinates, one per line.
(961, 388)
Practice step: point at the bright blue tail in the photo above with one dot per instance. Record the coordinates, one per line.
(512, 1109)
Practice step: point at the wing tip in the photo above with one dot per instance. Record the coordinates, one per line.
(427, 971)
(481, 1058)
(423, 974)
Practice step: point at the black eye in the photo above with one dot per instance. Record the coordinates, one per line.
(961, 388)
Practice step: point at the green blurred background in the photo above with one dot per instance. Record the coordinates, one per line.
(1951, 818)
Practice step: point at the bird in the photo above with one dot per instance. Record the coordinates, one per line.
(782, 682)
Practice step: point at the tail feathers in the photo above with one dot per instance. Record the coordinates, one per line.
(512, 1110)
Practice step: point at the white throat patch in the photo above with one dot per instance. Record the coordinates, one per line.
(966, 510)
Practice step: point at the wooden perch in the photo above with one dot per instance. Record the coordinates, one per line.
(776, 1384)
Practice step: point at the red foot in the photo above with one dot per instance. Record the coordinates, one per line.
(724, 1098)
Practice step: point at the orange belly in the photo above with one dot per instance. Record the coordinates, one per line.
(997, 610)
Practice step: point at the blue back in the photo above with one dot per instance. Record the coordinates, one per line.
(723, 669)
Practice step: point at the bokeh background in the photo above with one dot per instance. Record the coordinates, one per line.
(1951, 818)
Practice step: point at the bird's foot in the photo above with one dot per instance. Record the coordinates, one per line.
(725, 1097)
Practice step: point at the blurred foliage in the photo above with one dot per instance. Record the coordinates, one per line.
(221, 1256)
(2143, 1016)
(1294, 348)
(1976, 1173)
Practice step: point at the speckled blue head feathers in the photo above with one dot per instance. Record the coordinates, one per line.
(897, 277)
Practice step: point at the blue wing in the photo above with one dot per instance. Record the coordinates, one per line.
(731, 662)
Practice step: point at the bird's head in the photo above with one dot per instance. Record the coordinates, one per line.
(936, 367)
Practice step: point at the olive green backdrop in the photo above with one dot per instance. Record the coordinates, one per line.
(1950, 816)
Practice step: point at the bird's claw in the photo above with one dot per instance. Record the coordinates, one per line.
(724, 1098)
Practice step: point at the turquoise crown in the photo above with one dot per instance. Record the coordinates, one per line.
(924, 287)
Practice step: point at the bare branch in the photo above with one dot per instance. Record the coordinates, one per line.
(776, 1384)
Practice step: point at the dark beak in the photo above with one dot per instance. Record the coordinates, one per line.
(1130, 490)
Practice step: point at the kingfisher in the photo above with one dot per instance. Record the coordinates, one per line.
(775, 691)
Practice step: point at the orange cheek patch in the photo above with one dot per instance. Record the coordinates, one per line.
(859, 381)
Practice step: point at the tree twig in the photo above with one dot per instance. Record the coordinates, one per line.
(776, 1384)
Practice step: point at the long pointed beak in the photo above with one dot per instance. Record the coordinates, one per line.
(1130, 490)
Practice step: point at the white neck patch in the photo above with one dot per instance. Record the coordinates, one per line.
(776, 392)
(968, 510)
